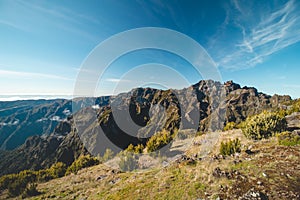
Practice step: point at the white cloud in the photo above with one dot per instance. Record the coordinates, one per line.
(293, 86)
(18, 74)
(263, 32)
(116, 80)
(11, 24)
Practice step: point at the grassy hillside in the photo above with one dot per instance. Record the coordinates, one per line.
(263, 168)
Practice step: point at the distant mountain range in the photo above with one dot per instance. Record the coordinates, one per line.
(36, 133)
(24, 118)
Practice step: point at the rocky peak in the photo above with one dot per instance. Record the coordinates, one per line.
(231, 86)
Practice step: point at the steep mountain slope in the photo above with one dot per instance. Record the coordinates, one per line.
(22, 119)
(40, 152)
(205, 106)
(130, 118)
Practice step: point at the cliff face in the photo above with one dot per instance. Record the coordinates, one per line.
(132, 118)
(205, 106)
(22, 119)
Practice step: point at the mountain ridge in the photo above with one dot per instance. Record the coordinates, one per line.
(100, 128)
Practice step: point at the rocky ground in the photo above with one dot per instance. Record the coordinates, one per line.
(263, 170)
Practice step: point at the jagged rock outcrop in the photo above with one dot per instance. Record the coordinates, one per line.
(131, 118)
(293, 121)
(22, 119)
(207, 105)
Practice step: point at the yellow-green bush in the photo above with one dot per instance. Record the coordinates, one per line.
(24, 182)
(82, 162)
(230, 147)
(295, 107)
(57, 170)
(288, 139)
(17, 183)
(30, 190)
(158, 140)
(263, 125)
(130, 148)
(7, 180)
(139, 148)
(229, 126)
(135, 149)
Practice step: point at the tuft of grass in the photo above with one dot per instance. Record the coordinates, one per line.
(231, 147)
(288, 139)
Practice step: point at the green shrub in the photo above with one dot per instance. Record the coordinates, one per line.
(158, 140)
(44, 175)
(229, 126)
(30, 190)
(24, 182)
(295, 107)
(17, 187)
(128, 161)
(263, 125)
(288, 139)
(6, 180)
(231, 147)
(17, 183)
(57, 170)
(130, 148)
(139, 148)
(135, 149)
(82, 162)
(108, 154)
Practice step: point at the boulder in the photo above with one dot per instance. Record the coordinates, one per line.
(293, 121)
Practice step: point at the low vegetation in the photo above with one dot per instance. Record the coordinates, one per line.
(294, 107)
(229, 126)
(128, 161)
(231, 147)
(25, 182)
(288, 139)
(82, 162)
(263, 125)
(108, 154)
(159, 140)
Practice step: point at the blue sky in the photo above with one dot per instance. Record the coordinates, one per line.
(44, 43)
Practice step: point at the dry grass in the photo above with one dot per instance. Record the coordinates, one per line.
(276, 167)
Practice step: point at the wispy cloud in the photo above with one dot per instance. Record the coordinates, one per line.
(34, 16)
(12, 25)
(293, 86)
(18, 74)
(263, 32)
(116, 80)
